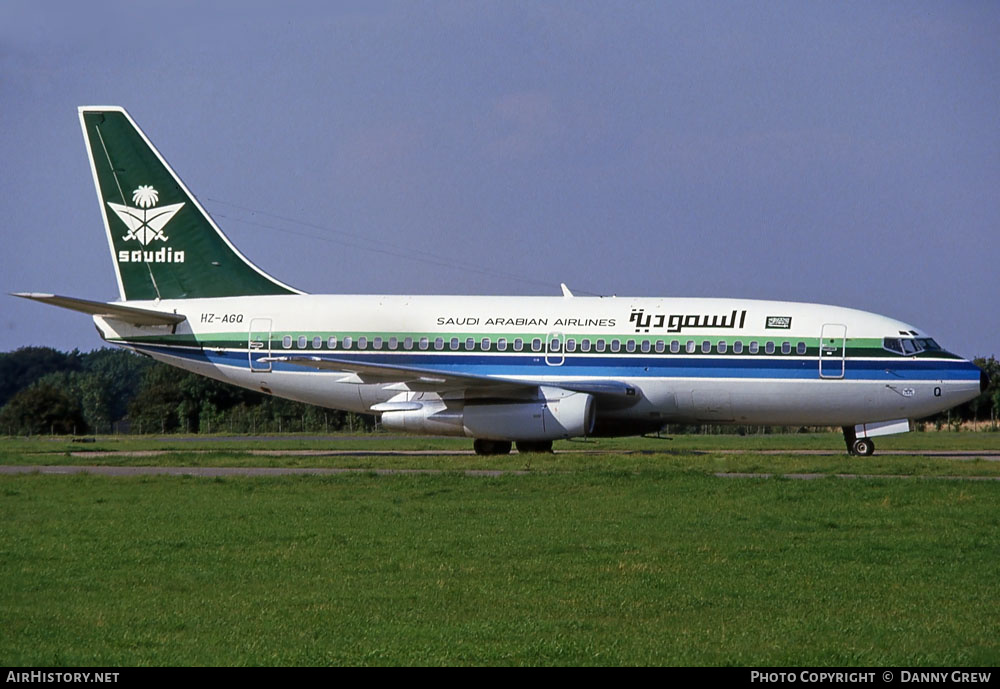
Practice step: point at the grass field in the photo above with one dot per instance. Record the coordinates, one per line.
(597, 558)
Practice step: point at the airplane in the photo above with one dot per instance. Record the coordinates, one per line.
(500, 370)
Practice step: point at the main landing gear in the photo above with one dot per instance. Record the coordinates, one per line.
(491, 447)
(503, 447)
(864, 447)
(537, 446)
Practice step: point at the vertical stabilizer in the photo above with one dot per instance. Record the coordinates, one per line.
(164, 245)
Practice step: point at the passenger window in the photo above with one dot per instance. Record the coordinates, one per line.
(407, 343)
(722, 346)
(536, 345)
(570, 345)
(554, 345)
(769, 347)
(347, 343)
(485, 343)
(585, 345)
(786, 347)
(738, 347)
(691, 346)
(754, 347)
(675, 346)
(661, 346)
(317, 342)
(393, 343)
(630, 346)
(439, 343)
(645, 346)
(502, 344)
(470, 344)
(599, 346)
(377, 343)
(302, 342)
(423, 343)
(453, 344)
(286, 342)
(800, 348)
(362, 343)
(615, 345)
(518, 344)
(706, 347)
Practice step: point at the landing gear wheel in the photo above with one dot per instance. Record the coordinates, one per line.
(539, 446)
(491, 447)
(864, 447)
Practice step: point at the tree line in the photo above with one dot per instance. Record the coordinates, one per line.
(112, 390)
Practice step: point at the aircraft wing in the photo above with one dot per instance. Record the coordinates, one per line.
(420, 379)
(414, 378)
(128, 314)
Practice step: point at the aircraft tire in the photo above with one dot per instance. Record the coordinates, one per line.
(483, 446)
(539, 446)
(864, 447)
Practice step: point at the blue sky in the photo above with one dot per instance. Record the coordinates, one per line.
(844, 152)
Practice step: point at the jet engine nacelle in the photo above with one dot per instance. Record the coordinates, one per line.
(556, 414)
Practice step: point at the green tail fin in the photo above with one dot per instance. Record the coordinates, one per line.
(163, 243)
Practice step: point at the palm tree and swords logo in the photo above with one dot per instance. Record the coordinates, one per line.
(145, 221)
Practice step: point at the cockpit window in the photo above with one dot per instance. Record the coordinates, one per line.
(908, 346)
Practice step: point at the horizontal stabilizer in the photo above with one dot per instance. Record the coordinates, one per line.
(127, 314)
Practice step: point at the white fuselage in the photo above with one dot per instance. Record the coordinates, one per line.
(688, 360)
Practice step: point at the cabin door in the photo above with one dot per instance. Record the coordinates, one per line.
(554, 346)
(259, 344)
(832, 350)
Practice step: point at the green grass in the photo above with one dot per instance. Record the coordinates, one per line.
(934, 441)
(776, 454)
(591, 559)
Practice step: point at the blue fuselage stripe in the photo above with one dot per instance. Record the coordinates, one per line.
(627, 366)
